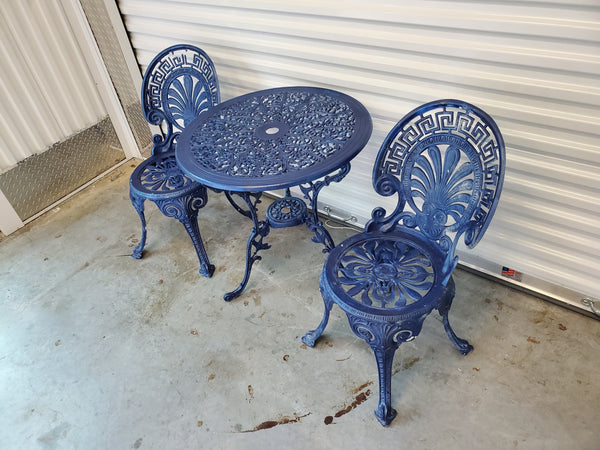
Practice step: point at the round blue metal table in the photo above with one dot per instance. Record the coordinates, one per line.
(275, 139)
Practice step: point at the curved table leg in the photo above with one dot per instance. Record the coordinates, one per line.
(237, 207)
(255, 242)
(311, 192)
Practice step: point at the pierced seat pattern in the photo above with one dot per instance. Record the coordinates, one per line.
(444, 162)
(179, 84)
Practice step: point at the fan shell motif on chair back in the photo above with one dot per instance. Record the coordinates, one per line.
(445, 159)
(180, 83)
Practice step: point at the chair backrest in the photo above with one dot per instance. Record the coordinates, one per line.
(445, 161)
(180, 83)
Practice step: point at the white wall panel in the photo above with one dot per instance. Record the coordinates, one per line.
(47, 91)
(533, 65)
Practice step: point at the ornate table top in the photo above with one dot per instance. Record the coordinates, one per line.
(273, 139)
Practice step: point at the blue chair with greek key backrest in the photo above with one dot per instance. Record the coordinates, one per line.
(179, 84)
(444, 161)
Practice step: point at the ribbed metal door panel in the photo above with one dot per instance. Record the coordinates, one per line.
(47, 90)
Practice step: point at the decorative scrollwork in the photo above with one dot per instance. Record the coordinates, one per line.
(363, 332)
(383, 335)
(186, 98)
(288, 131)
(184, 208)
(403, 336)
(449, 159)
(256, 243)
(163, 175)
(311, 193)
(179, 84)
(385, 273)
(386, 185)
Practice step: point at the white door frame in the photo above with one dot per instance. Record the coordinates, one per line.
(93, 57)
(9, 219)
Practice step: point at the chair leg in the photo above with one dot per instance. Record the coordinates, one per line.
(185, 209)
(138, 204)
(462, 345)
(191, 225)
(311, 337)
(384, 338)
(385, 358)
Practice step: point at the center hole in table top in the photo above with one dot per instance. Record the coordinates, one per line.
(272, 130)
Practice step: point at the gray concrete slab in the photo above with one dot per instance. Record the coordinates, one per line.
(101, 351)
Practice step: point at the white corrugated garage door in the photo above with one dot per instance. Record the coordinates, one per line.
(533, 65)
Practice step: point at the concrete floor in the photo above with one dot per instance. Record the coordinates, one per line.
(101, 351)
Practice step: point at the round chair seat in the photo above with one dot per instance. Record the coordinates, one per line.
(385, 276)
(160, 176)
(387, 284)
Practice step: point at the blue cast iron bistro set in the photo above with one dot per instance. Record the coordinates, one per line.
(443, 163)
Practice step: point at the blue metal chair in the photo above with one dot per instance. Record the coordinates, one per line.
(179, 84)
(445, 163)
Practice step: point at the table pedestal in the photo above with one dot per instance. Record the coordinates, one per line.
(284, 212)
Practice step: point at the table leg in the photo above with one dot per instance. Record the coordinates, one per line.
(242, 211)
(311, 192)
(259, 231)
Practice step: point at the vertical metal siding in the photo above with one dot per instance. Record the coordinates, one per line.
(47, 91)
(533, 65)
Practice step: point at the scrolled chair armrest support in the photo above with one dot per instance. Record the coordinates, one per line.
(386, 185)
(470, 233)
(161, 143)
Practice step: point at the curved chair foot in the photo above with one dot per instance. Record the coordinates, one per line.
(462, 345)
(138, 204)
(310, 337)
(208, 271)
(137, 253)
(385, 415)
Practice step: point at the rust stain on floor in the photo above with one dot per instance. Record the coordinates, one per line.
(273, 423)
(410, 362)
(406, 364)
(360, 398)
(360, 388)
